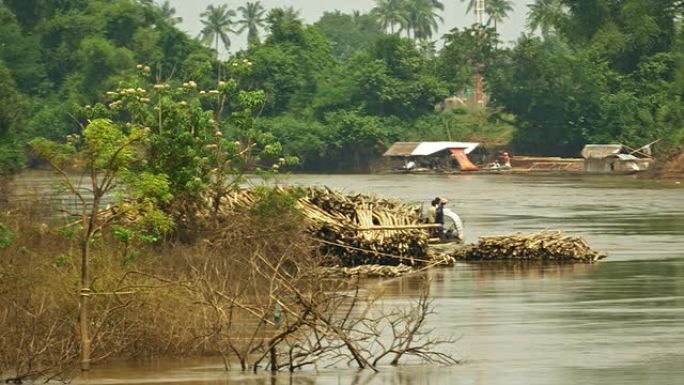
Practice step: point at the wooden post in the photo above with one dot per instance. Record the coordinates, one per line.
(274, 359)
(84, 295)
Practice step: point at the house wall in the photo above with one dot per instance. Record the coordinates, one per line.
(626, 165)
(598, 165)
(611, 164)
(633, 165)
(440, 161)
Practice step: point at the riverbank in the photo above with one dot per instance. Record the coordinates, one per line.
(674, 168)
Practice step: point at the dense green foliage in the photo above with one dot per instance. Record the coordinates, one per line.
(69, 53)
(337, 92)
(11, 111)
(605, 71)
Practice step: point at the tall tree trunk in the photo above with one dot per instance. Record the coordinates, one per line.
(83, 305)
(253, 38)
(84, 294)
(218, 61)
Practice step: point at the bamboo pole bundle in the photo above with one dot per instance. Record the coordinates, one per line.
(541, 246)
(345, 224)
(381, 271)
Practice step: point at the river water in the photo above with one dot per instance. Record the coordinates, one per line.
(620, 321)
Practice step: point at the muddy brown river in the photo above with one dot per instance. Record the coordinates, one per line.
(617, 322)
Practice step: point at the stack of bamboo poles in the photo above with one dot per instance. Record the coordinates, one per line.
(383, 271)
(541, 246)
(357, 229)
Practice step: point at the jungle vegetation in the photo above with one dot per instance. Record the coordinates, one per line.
(338, 91)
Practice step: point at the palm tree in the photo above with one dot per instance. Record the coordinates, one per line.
(390, 13)
(497, 10)
(168, 13)
(291, 15)
(422, 17)
(471, 5)
(437, 4)
(427, 48)
(545, 15)
(253, 18)
(217, 22)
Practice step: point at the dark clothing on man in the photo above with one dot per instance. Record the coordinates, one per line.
(439, 214)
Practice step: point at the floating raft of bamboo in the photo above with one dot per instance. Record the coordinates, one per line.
(380, 271)
(543, 246)
(358, 229)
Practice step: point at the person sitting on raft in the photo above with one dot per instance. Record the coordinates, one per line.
(494, 165)
(506, 160)
(432, 216)
(432, 211)
(439, 215)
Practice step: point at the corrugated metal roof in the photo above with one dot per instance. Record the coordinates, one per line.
(427, 148)
(600, 151)
(626, 157)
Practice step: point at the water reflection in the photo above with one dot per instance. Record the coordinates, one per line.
(198, 373)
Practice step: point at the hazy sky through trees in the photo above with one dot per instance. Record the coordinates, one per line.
(311, 10)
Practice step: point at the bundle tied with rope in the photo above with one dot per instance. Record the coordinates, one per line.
(356, 229)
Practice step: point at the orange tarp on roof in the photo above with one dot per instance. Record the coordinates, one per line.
(463, 162)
